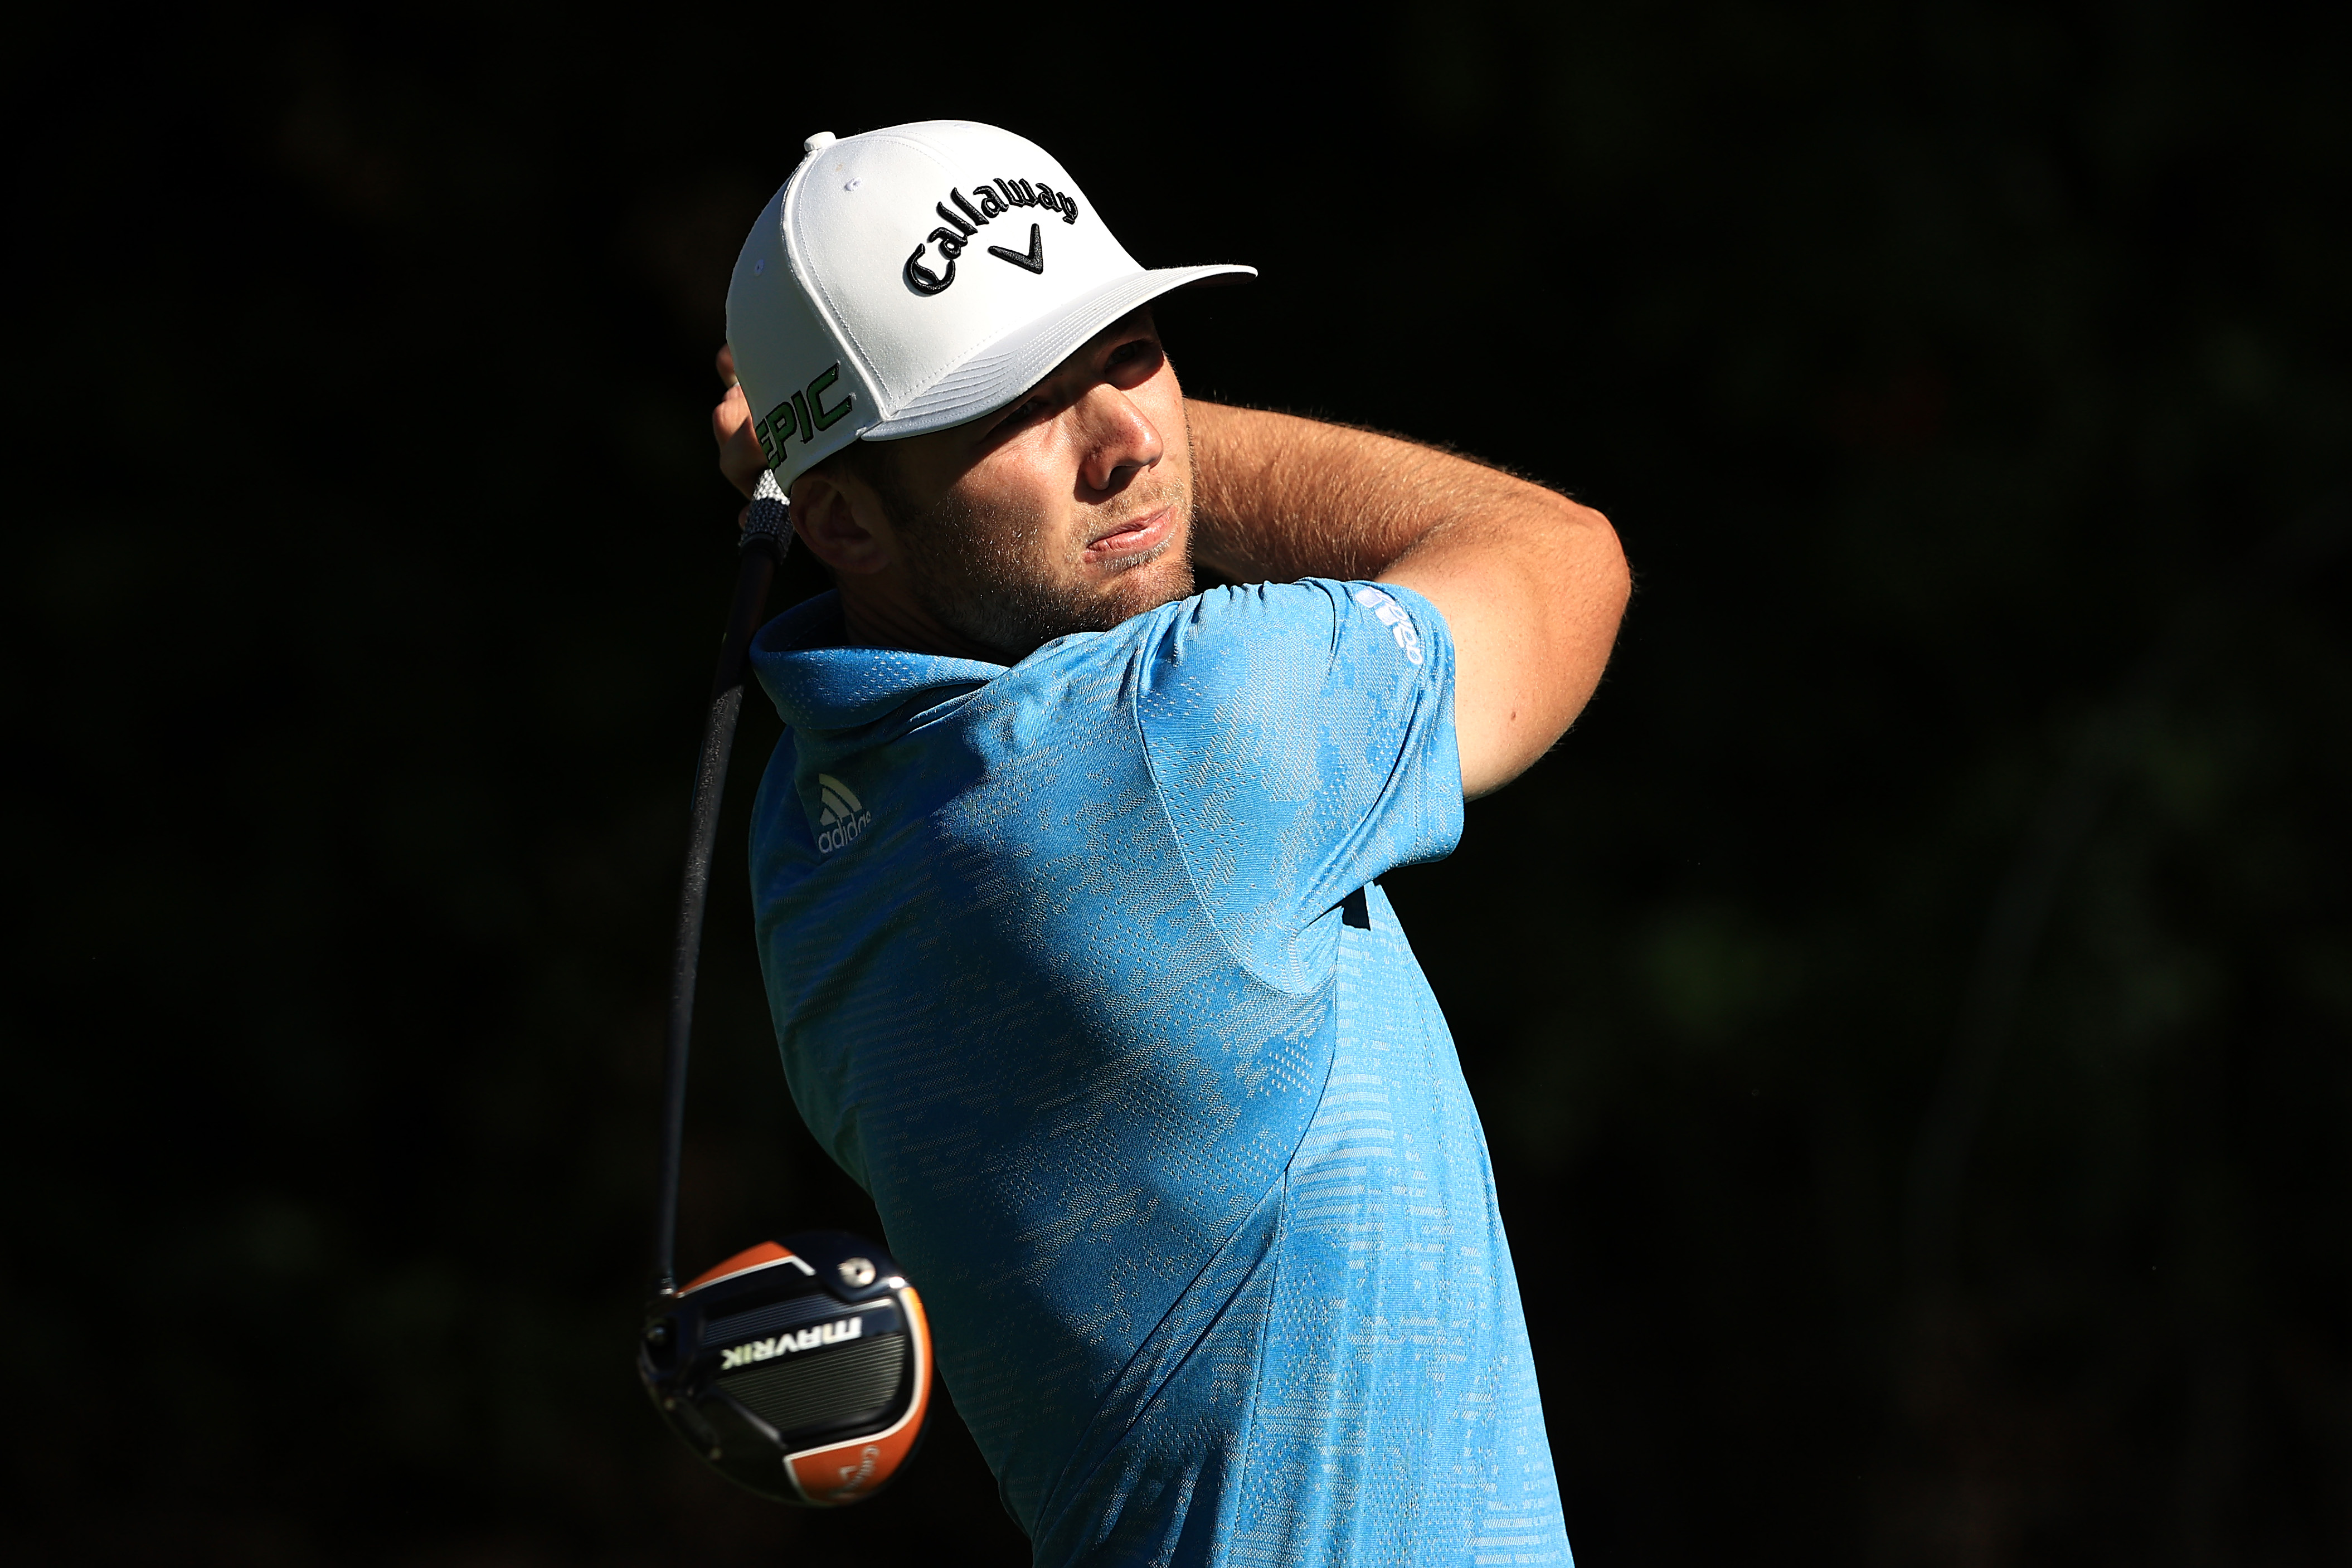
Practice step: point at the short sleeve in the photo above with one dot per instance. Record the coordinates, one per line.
(1301, 737)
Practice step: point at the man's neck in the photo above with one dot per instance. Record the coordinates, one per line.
(876, 611)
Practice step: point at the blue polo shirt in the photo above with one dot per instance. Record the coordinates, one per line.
(1079, 969)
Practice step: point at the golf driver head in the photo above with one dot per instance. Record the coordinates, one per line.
(800, 1369)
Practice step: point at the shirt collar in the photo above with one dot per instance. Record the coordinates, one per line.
(817, 683)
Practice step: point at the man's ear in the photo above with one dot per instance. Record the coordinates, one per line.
(840, 519)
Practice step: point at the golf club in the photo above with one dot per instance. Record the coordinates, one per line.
(798, 1368)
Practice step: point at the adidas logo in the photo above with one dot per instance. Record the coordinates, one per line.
(1400, 625)
(841, 816)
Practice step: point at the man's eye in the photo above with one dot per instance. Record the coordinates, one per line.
(1128, 352)
(1022, 414)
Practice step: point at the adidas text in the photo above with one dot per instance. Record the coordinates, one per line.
(1391, 616)
(841, 817)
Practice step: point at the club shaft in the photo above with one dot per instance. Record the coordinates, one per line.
(760, 556)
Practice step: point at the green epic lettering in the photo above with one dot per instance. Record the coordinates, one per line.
(801, 415)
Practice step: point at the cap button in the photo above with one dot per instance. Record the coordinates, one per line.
(819, 143)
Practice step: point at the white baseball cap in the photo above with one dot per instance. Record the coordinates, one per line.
(911, 278)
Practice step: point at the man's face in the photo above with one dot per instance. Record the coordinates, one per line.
(1070, 511)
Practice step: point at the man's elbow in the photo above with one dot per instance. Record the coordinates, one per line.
(1616, 573)
(1593, 571)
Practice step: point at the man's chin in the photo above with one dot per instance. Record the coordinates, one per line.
(1014, 619)
(1158, 577)
(1162, 577)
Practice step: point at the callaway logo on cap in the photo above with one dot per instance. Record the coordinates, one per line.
(909, 279)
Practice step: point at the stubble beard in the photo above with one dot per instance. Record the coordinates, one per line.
(995, 578)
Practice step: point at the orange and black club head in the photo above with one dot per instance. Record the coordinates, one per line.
(800, 1369)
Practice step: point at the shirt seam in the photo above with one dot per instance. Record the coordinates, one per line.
(1065, 1483)
(1138, 661)
(1237, 1492)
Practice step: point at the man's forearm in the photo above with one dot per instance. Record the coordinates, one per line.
(1531, 584)
(1277, 497)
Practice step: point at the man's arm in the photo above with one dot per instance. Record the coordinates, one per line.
(1531, 584)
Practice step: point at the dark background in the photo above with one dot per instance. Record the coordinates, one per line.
(1911, 1011)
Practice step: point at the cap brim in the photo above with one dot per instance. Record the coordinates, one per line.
(1021, 358)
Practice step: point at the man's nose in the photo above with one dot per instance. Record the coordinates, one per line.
(1118, 440)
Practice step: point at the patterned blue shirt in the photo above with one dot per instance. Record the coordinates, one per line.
(1077, 968)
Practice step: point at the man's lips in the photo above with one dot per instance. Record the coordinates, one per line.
(1148, 532)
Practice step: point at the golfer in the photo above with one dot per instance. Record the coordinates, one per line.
(1066, 873)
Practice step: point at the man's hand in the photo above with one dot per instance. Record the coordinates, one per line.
(1531, 585)
(739, 457)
